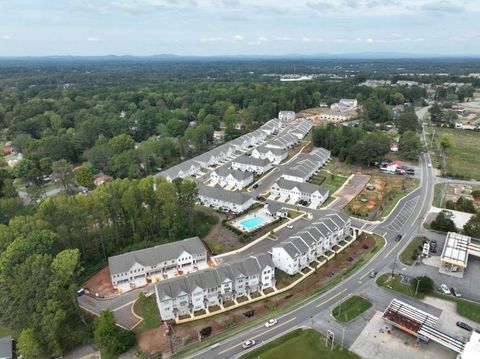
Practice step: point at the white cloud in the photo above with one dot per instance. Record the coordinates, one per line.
(6, 37)
(306, 39)
(211, 39)
(93, 39)
(238, 38)
(283, 38)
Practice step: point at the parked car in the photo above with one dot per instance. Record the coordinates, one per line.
(271, 323)
(373, 274)
(433, 246)
(464, 326)
(248, 344)
(289, 226)
(455, 292)
(398, 237)
(444, 289)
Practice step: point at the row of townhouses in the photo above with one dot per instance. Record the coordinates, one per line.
(304, 247)
(230, 178)
(212, 287)
(224, 152)
(224, 200)
(306, 164)
(345, 105)
(137, 268)
(274, 155)
(299, 191)
(251, 164)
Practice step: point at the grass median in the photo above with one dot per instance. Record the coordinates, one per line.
(412, 251)
(351, 308)
(300, 343)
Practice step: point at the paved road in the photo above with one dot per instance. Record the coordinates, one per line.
(406, 218)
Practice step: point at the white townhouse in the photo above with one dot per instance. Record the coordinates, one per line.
(214, 286)
(286, 116)
(251, 164)
(138, 268)
(305, 165)
(223, 200)
(230, 178)
(182, 170)
(271, 127)
(274, 155)
(302, 248)
(210, 158)
(335, 116)
(300, 130)
(286, 140)
(345, 104)
(300, 191)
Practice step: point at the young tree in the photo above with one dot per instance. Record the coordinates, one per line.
(84, 177)
(472, 227)
(424, 284)
(443, 223)
(410, 145)
(28, 344)
(109, 337)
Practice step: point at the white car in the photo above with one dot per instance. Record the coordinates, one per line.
(445, 289)
(289, 226)
(429, 165)
(248, 344)
(271, 323)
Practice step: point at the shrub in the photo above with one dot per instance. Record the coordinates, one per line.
(228, 323)
(205, 332)
(425, 284)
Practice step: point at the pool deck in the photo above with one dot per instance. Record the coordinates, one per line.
(259, 214)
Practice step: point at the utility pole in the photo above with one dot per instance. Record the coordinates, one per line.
(394, 264)
(416, 289)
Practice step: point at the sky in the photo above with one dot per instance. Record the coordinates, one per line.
(238, 27)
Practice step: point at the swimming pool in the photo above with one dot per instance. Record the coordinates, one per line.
(252, 222)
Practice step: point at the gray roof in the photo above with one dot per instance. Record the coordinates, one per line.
(212, 277)
(224, 171)
(302, 186)
(275, 151)
(248, 160)
(306, 163)
(291, 250)
(221, 194)
(274, 207)
(6, 347)
(155, 255)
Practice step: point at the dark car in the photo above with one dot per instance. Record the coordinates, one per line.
(433, 246)
(464, 326)
(398, 237)
(255, 185)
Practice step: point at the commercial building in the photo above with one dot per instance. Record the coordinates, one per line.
(455, 253)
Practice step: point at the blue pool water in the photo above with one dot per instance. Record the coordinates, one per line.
(251, 222)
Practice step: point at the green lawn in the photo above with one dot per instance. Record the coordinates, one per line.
(331, 182)
(146, 307)
(386, 281)
(411, 252)
(437, 195)
(351, 308)
(463, 159)
(300, 343)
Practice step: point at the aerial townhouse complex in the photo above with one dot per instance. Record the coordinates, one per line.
(230, 178)
(137, 268)
(304, 247)
(212, 287)
(274, 155)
